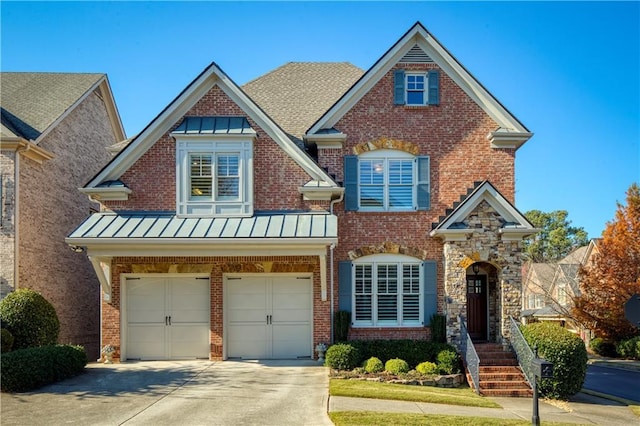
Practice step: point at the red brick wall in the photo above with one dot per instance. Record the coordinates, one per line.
(121, 265)
(153, 177)
(454, 136)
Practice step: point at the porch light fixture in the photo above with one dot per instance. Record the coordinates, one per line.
(476, 268)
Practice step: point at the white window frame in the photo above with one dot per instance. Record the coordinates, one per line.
(425, 88)
(385, 260)
(385, 156)
(189, 206)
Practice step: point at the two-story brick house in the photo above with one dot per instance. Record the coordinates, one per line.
(239, 221)
(56, 128)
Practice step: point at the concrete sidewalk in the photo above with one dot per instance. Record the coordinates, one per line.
(582, 409)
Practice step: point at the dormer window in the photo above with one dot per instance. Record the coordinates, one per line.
(214, 167)
(414, 88)
(415, 84)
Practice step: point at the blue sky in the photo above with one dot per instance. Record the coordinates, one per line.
(570, 71)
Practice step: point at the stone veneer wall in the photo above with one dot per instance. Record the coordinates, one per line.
(484, 245)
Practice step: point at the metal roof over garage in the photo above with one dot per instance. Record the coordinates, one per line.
(153, 226)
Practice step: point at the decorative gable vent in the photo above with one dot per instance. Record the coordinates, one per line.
(416, 56)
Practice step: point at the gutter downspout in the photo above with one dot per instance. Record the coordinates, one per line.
(331, 248)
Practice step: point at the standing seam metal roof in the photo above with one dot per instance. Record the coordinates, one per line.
(153, 226)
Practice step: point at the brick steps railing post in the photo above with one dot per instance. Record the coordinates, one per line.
(500, 374)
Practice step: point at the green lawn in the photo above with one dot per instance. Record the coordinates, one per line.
(377, 390)
(358, 418)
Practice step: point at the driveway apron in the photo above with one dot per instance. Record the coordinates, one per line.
(179, 392)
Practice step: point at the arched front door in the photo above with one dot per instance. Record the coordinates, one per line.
(477, 305)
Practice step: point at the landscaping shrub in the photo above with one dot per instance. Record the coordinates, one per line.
(30, 318)
(427, 368)
(27, 369)
(412, 351)
(6, 341)
(629, 348)
(448, 361)
(396, 366)
(603, 347)
(341, 322)
(373, 365)
(342, 356)
(566, 351)
(438, 328)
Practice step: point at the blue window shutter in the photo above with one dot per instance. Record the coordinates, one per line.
(434, 87)
(344, 285)
(398, 87)
(430, 284)
(422, 185)
(351, 182)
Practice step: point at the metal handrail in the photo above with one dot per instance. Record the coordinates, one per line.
(522, 350)
(471, 359)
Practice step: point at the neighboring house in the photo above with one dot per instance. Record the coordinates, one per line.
(55, 131)
(559, 285)
(241, 219)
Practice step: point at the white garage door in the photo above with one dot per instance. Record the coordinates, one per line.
(268, 317)
(167, 318)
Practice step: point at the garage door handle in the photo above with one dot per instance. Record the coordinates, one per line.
(169, 320)
(166, 320)
(269, 319)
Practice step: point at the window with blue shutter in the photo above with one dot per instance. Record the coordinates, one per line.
(388, 290)
(351, 201)
(434, 87)
(398, 87)
(386, 180)
(423, 182)
(344, 285)
(430, 289)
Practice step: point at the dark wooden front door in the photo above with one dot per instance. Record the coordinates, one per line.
(477, 307)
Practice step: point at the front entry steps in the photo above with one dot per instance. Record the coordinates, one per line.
(500, 375)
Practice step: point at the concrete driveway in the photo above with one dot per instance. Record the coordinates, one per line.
(179, 392)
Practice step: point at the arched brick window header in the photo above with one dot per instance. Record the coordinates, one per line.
(387, 247)
(386, 143)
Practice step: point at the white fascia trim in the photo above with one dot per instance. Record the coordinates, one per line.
(516, 234)
(136, 149)
(278, 135)
(505, 139)
(104, 194)
(444, 60)
(327, 141)
(200, 247)
(27, 149)
(490, 194)
(102, 267)
(451, 234)
(320, 193)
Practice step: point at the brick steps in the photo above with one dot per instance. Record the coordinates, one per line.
(499, 373)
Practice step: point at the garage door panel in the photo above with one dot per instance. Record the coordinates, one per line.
(268, 317)
(167, 317)
(190, 340)
(146, 342)
(291, 341)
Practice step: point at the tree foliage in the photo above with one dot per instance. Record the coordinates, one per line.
(613, 277)
(556, 239)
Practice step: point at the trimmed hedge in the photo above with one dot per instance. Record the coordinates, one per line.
(6, 342)
(373, 365)
(566, 351)
(342, 356)
(412, 351)
(629, 348)
(31, 368)
(30, 318)
(396, 366)
(449, 362)
(427, 367)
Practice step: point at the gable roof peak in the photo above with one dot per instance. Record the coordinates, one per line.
(418, 34)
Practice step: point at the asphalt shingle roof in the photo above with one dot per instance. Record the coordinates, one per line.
(32, 101)
(296, 94)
